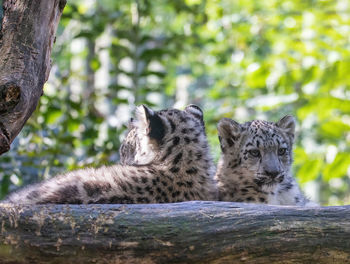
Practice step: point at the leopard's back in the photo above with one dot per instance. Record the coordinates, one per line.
(165, 157)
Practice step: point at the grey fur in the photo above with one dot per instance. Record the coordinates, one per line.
(255, 165)
(164, 158)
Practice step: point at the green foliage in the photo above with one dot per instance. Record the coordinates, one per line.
(239, 59)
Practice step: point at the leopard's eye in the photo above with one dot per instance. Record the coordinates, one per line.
(254, 152)
(282, 151)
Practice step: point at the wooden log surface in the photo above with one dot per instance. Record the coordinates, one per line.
(27, 33)
(189, 232)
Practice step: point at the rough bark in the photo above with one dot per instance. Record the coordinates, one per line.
(1, 14)
(191, 232)
(26, 38)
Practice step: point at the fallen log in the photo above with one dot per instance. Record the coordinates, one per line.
(190, 232)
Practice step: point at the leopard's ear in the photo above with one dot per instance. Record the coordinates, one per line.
(229, 131)
(150, 123)
(287, 124)
(195, 111)
(229, 128)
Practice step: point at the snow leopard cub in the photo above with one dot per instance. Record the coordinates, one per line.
(164, 158)
(255, 165)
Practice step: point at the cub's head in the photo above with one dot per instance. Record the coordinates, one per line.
(258, 150)
(158, 136)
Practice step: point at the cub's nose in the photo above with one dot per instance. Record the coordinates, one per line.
(272, 173)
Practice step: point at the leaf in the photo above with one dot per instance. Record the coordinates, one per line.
(5, 184)
(73, 125)
(310, 170)
(85, 34)
(95, 64)
(338, 168)
(118, 101)
(156, 73)
(52, 116)
(149, 54)
(334, 129)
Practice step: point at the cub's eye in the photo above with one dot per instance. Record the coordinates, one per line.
(254, 152)
(282, 151)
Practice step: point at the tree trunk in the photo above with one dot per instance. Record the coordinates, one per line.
(27, 34)
(190, 232)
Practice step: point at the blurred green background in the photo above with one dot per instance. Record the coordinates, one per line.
(239, 59)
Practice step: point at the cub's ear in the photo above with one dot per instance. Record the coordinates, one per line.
(229, 131)
(287, 124)
(150, 122)
(195, 111)
(229, 128)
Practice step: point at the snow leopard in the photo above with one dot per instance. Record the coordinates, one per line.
(255, 164)
(165, 158)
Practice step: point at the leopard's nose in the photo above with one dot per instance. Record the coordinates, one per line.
(272, 173)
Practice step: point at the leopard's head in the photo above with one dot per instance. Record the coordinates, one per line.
(259, 150)
(158, 136)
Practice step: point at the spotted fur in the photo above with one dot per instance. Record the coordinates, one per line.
(164, 158)
(255, 165)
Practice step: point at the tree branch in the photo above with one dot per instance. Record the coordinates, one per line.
(26, 38)
(190, 232)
